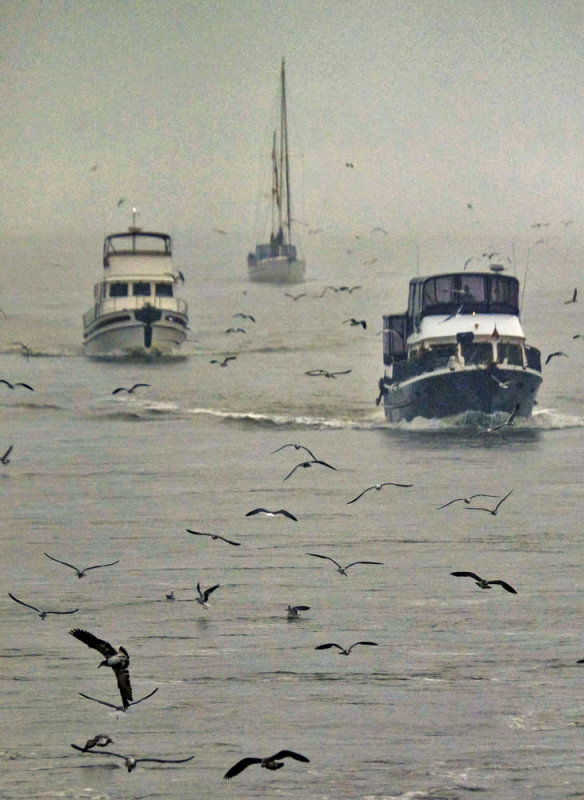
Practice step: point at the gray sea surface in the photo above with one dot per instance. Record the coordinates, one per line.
(468, 691)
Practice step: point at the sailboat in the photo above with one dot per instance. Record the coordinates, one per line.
(277, 261)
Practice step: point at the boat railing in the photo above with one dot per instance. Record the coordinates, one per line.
(114, 304)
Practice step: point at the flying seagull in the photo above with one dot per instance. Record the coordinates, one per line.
(41, 612)
(245, 316)
(114, 706)
(295, 296)
(81, 572)
(573, 299)
(235, 330)
(294, 611)
(296, 447)
(306, 464)
(101, 740)
(492, 511)
(556, 353)
(343, 570)
(213, 536)
(483, 584)
(225, 361)
(342, 650)
(325, 374)
(118, 660)
(4, 459)
(17, 383)
(281, 512)
(271, 762)
(131, 390)
(379, 486)
(466, 500)
(507, 423)
(354, 322)
(132, 762)
(204, 595)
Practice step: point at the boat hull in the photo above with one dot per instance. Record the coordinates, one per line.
(445, 393)
(112, 336)
(279, 269)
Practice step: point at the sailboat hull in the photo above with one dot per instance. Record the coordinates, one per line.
(277, 269)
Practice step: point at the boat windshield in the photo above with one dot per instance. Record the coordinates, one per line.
(464, 293)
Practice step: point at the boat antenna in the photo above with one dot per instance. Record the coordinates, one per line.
(418, 260)
(524, 281)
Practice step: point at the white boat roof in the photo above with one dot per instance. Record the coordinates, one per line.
(439, 327)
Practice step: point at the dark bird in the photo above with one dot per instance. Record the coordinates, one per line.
(492, 511)
(114, 706)
(295, 296)
(466, 500)
(101, 740)
(225, 361)
(573, 299)
(41, 612)
(377, 229)
(354, 322)
(118, 660)
(281, 512)
(306, 464)
(507, 423)
(17, 383)
(121, 202)
(379, 486)
(235, 330)
(271, 762)
(176, 276)
(244, 316)
(553, 355)
(296, 447)
(343, 570)
(294, 611)
(213, 536)
(4, 459)
(131, 390)
(454, 314)
(343, 651)
(349, 165)
(131, 762)
(81, 572)
(170, 595)
(483, 584)
(204, 595)
(325, 374)
(350, 289)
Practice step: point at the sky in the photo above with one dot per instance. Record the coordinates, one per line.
(439, 104)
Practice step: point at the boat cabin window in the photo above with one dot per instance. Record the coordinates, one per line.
(118, 289)
(163, 289)
(464, 293)
(511, 353)
(503, 293)
(141, 289)
(477, 352)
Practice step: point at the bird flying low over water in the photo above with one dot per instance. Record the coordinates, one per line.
(354, 322)
(492, 511)
(294, 611)
(131, 390)
(296, 447)
(482, 583)
(506, 423)
(131, 762)
(204, 595)
(81, 572)
(343, 570)
(306, 464)
(118, 660)
(4, 459)
(245, 316)
(556, 353)
(41, 612)
(116, 707)
(466, 500)
(225, 361)
(379, 486)
(573, 299)
(281, 512)
(18, 383)
(213, 536)
(271, 762)
(101, 740)
(235, 330)
(295, 296)
(342, 650)
(325, 374)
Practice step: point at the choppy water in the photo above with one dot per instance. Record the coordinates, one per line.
(468, 690)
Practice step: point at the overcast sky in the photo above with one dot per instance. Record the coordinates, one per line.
(438, 103)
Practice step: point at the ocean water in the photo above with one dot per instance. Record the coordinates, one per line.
(467, 690)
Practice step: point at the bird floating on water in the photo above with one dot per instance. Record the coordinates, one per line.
(131, 762)
(170, 595)
(213, 536)
(306, 464)
(204, 595)
(271, 762)
(4, 459)
(482, 583)
(293, 612)
(281, 512)
(379, 486)
(343, 570)
(116, 707)
(492, 511)
(131, 390)
(342, 650)
(41, 612)
(81, 572)
(118, 660)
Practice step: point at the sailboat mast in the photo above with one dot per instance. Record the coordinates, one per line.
(285, 152)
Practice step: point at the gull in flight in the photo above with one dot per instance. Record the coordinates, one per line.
(343, 570)
(18, 383)
(131, 762)
(4, 459)
(281, 512)
(114, 706)
(556, 353)
(466, 500)
(573, 299)
(507, 423)
(204, 595)
(294, 611)
(271, 762)
(342, 650)
(41, 612)
(296, 447)
(379, 486)
(213, 536)
(245, 316)
(81, 572)
(225, 361)
(131, 390)
(306, 464)
(482, 583)
(354, 322)
(492, 511)
(118, 660)
(295, 296)
(101, 740)
(325, 374)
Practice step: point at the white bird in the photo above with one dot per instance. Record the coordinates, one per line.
(81, 572)
(281, 512)
(343, 570)
(342, 650)
(466, 500)
(132, 762)
(492, 511)
(41, 612)
(379, 486)
(296, 447)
